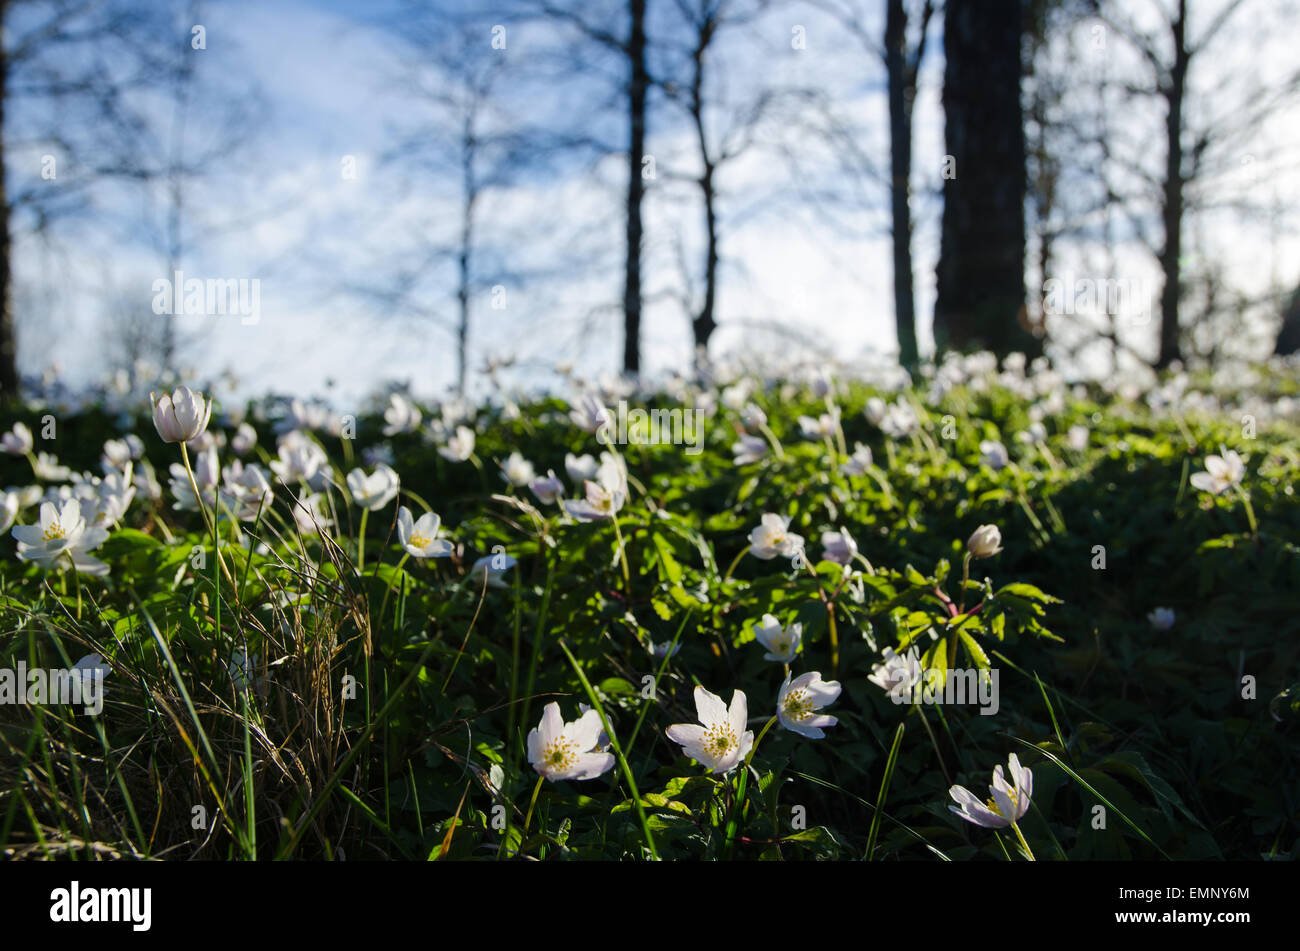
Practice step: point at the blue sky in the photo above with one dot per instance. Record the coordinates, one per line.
(280, 210)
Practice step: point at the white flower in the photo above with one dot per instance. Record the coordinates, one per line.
(1162, 619)
(61, 533)
(301, 459)
(146, 482)
(460, 446)
(47, 468)
(517, 470)
(781, 643)
(736, 395)
(245, 490)
(206, 475)
(601, 502)
(182, 416)
(722, 741)
(119, 453)
(1008, 804)
(860, 461)
(1036, 433)
(1221, 472)
(666, 649)
(800, 699)
(91, 667)
(748, 449)
(18, 441)
(113, 498)
(559, 750)
(605, 494)
(823, 427)
(1077, 437)
(772, 537)
(840, 547)
(897, 675)
(580, 468)
(309, 512)
(373, 492)
(899, 420)
(753, 417)
(244, 440)
(492, 567)
(401, 416)
(420, 537)
(589, 414)
(8, 509)
(548, 488)
(985, 542)
(993, 454)
(875, 410)
(240, 667)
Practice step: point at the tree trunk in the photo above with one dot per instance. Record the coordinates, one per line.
(704, 324)
(1288, 335)
(637, 92)
(8, 337)
(981, 273)
(1172, 212)
(900, 151)
(469, 197)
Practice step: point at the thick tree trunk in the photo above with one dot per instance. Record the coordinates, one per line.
(637, 92)
(8, 336)
(1172, 211)
(900, 148)
(1288, 335)
(981, 272)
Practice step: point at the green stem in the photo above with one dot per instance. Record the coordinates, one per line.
(528, 819)
(361, 542)
(1023, 844)
(743, 552)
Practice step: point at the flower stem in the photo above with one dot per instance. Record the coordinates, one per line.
(396, 572)
(528, 819)
(1023, 844)
(361, 542)
(743, 552)
(1250, 510)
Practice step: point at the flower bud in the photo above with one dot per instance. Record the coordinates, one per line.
(182, 416)
(985, 542)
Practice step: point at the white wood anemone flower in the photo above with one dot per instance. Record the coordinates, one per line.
(985, 542)
(420, 536)
(460, 446)
(897, 674)
(782, 643)
(60, 536)
(1221, 473)
(181, 416)
(517, 471)
(1162, 619)
(559, 750)
(840, 547)
(719, 741)
(372, 492)
(1008, 803)
(773, 537)
(800, 699)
